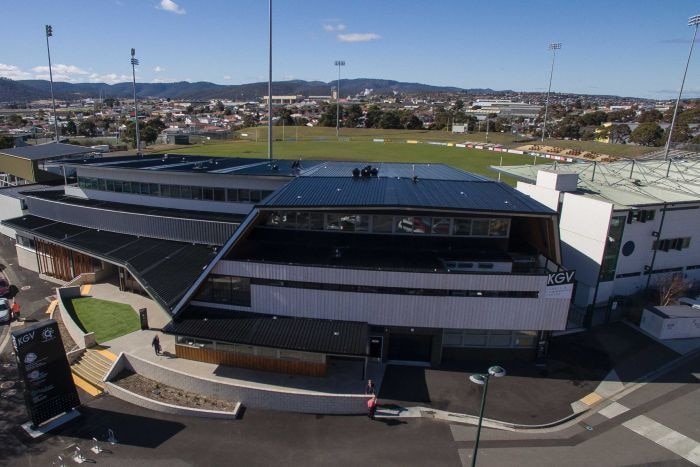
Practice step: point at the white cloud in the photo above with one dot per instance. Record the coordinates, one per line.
(109, 78)
(158, 69)
(334, 27)
(60, 69)
(227, 78)
(13, 72)
(359, 37)
(170, 6)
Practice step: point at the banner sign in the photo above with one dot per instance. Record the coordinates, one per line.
(41, 360)
(560, 285)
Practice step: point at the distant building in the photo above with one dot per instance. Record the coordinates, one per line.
(504, 108)
(283, 99)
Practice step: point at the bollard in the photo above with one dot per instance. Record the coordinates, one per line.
(78, 456)
(96, 446)
(111, 439)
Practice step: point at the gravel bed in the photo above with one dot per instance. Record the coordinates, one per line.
(68, 343)
(159, 392)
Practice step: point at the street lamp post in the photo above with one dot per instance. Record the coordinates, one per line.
(483, 379)
(49, 33)
(134, 62)
(553, 46)
(338, 63)
(692, 21)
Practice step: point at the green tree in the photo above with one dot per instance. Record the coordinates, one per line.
(681, 133)
(157, 124)
(285, 117)
(619, 133)
(652, 115)
(15, 120)
(391, 120)
(414, 123)
(219, 106)
(354, 114)
(149, 134)
(70, 128)
(249, 120)
(328, 116)
(647, 134)
(6, 142)
(87, 128)
(373, 116)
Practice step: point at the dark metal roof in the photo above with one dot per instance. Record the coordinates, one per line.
(280, 167)
(46, 151)
(393, 170)
(379, 192)
(305, 334)
(165, 268)
(61, 197)
(20, 191)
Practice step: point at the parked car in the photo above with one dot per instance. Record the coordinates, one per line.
(4, 287)
(4, 310)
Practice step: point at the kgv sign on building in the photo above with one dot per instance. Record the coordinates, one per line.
(560, 285)
(48, 385)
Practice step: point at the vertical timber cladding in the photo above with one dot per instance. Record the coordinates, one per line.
(41, 360)
(61, 263)
(253, 362)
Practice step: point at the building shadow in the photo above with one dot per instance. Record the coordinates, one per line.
(128, 429)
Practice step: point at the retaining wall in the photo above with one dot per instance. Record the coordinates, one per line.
(81, 339)
(281, 399)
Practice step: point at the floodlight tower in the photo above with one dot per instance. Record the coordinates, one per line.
(553, 46)
(692, 21)
(338, 63)
(49, 33)
(269, 82)
(134, 62)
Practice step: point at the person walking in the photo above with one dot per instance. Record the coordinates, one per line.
(372, 407)
(156, 344)
(370, 387)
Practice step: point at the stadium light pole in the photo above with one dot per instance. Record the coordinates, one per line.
(553, 46)
(483, 380)
(692, 21)
(338, 63)
(269, 83)
(134, 62)
(49, 33)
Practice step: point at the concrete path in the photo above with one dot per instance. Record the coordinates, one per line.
(157, 317)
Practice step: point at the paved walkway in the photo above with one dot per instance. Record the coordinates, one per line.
(344, 376)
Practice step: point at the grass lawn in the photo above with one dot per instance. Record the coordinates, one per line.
(108, 320)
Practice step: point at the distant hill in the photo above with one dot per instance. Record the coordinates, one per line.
(27, 90)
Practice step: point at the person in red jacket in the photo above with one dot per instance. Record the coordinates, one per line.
(372, 407)
(14, 310)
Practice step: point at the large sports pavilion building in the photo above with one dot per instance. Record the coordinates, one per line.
(284, 265)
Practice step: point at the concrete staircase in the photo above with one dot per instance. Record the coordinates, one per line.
(92, 367)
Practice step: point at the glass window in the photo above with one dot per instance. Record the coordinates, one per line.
(145, 189)
(452, 338)
(240, 291)
(302, 220)
(208, 193)
(316, 221)
(118, 186)
(462, 226)
(165, 191)
(154, 189)
(422, 224)
(441, 226)
(404, 224)
(333, 221)
(246, 349)
(175, 191)
(500, 338)
(126, 186)
(474, 340)
(219, 194)
(255, 196)
(186, 192)
(382, 224)
(480, 227)
(204, 292)
(196, 192)
(266, 352)
(498, 228)
(110, 185)
(243, 195)
(221, 289)
(102, 184)
(232, 195)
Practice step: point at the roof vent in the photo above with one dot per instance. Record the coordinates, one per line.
(638, 182)
(355, 173)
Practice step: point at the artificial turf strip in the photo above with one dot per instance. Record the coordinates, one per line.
(108, 320)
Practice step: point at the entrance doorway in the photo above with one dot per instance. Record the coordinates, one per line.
(375, 347)
(410, 347)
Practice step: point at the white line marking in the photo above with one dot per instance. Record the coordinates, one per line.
(675, 442)
(613, 410)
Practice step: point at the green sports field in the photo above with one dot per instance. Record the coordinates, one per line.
(365, 150)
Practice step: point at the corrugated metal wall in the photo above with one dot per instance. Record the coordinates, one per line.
(168, 228)
(404, 310)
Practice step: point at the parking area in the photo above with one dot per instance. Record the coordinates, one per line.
(531, 394)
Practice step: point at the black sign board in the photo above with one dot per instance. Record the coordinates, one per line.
(48, 384)
(143, 316)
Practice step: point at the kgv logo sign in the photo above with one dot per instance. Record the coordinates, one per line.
(561, 278)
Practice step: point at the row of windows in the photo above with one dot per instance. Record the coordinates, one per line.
(26, 242)
(492, 338)
(641, 215)
(672, 244)
(231, 290)
(349, 222)
(231, 195)
(399, 290)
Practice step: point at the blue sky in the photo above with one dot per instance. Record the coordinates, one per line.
(623, 47)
